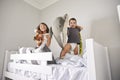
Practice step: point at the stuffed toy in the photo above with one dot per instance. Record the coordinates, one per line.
(59, 30)
(39, 38)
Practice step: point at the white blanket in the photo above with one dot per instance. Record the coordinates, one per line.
(72, 60)
(69, 73)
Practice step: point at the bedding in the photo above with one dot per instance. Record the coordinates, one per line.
(31, 50)
(72, 60)
(72, 67)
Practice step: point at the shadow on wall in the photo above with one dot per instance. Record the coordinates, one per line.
(106, 31)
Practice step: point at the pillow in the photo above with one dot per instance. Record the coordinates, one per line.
(22, 50)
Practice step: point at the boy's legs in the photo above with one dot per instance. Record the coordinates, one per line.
(76, 50)
(65, 50)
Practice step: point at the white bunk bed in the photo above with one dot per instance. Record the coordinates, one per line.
(98, 67)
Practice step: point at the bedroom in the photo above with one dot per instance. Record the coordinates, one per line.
(19, 19)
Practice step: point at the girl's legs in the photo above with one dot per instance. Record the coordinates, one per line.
(65, 50)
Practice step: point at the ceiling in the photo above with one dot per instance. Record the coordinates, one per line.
(41, 4)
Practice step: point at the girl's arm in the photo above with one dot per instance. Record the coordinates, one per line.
(38, 43)
(48, 40)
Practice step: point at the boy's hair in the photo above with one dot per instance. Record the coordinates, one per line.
(72, 19)
(38, 27)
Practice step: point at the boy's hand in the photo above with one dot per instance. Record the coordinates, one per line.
(81, 28)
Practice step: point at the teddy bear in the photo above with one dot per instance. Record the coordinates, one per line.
(38, 37)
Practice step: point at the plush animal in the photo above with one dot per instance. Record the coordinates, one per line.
(39, 38)
(59, 30)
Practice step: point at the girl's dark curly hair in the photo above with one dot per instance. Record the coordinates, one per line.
(38, 28)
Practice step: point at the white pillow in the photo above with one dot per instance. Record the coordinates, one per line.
(22, 50)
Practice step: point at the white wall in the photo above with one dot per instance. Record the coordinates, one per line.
(17, 23)
(99, 19)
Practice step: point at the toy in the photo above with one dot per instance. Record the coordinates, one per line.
(38, 37)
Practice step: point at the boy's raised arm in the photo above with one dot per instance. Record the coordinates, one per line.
(81, 28)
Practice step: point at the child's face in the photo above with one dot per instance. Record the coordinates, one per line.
(42, 27)
(72, 23)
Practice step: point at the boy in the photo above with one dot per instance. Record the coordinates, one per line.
(73, 38)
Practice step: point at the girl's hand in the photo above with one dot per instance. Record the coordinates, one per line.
(41, 35)
(39, 42)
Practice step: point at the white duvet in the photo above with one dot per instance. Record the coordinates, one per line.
(69, 73)
(72, 60)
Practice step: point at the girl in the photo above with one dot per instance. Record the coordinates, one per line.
(43, 40)
(42, 37)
